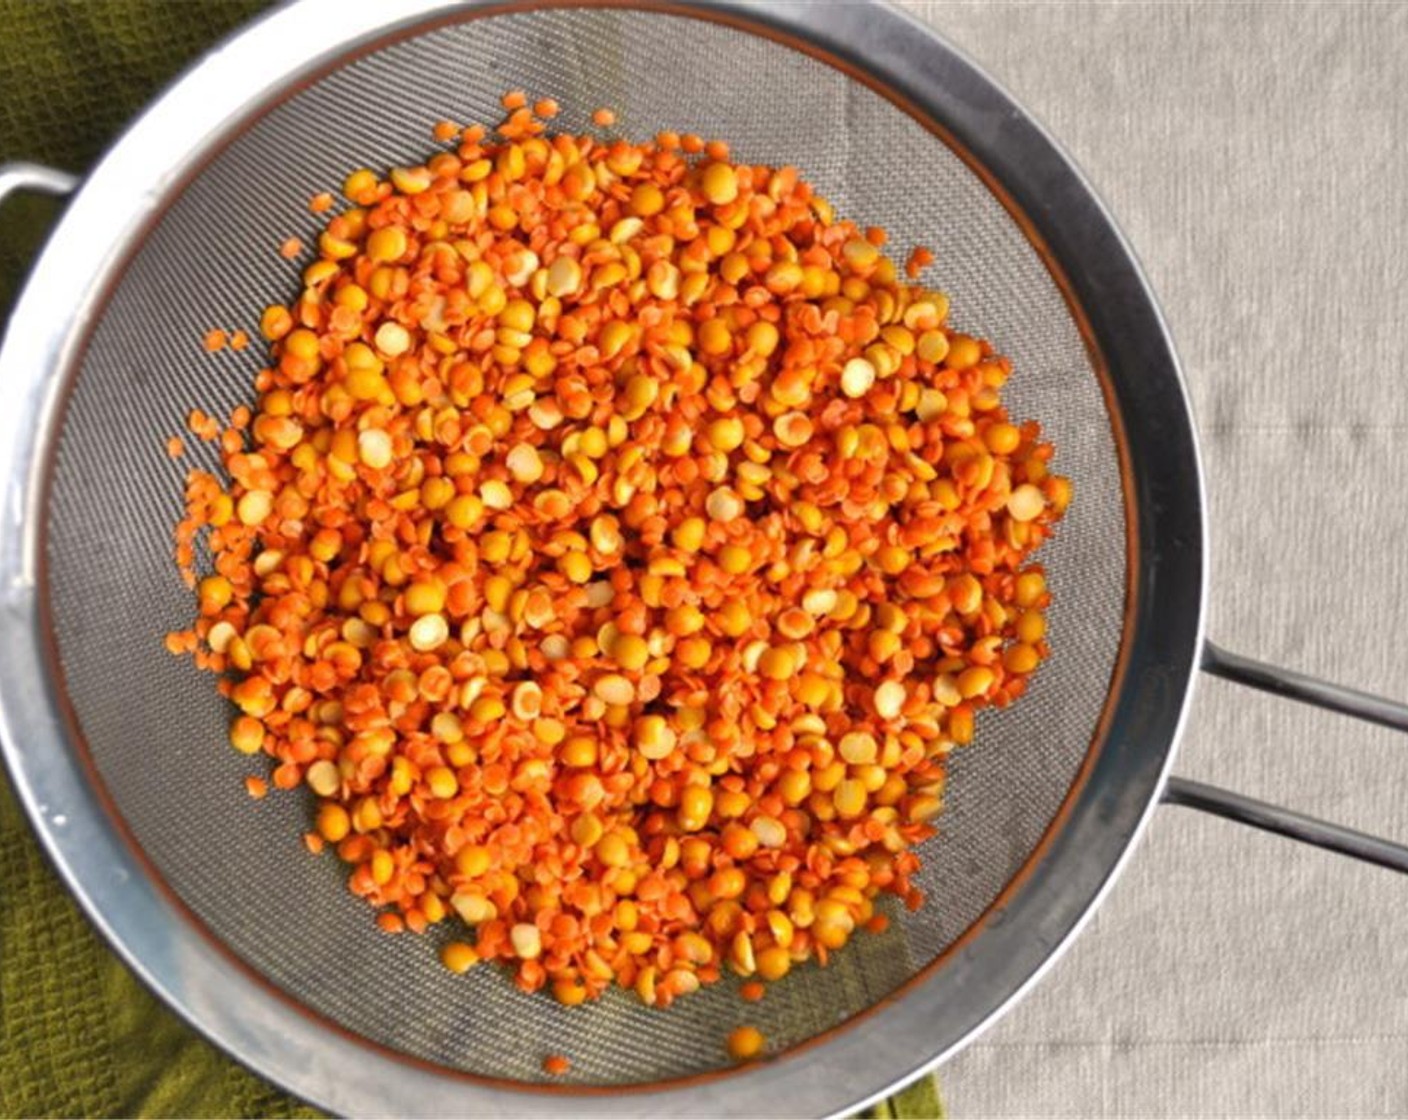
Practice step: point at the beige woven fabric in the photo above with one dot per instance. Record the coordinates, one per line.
(1256, 154)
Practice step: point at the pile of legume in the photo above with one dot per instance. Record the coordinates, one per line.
(616, 549)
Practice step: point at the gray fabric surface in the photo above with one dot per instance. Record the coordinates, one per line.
(1256, 156)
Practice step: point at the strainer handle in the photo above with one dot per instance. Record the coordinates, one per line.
(1273, 818)
(1308, 690)
(34, 177)
(1286, 822)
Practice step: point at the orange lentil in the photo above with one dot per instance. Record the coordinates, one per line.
(555, 1065)
(256, 787)
(445, 130)
(239, 340)
(603, 118)
(514, 99)
(602, 604)
(752, 990)
(320, 203)
(290, 248)
(547, 108)
(214, 340)
(175, 447)
(919, 259)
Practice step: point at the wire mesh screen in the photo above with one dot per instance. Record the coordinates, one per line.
(154, 724)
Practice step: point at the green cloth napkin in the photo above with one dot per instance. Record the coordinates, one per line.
(79, 1036)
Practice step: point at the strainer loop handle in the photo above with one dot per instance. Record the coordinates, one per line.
(34, 177)
(1273, 818)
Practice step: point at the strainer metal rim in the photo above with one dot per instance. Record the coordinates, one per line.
(976, 979)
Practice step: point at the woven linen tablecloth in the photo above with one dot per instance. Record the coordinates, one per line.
(1256, 155)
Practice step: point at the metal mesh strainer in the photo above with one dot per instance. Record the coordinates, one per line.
(241, 867)
(152, 726)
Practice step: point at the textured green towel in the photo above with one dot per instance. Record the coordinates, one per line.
(79, 1036)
